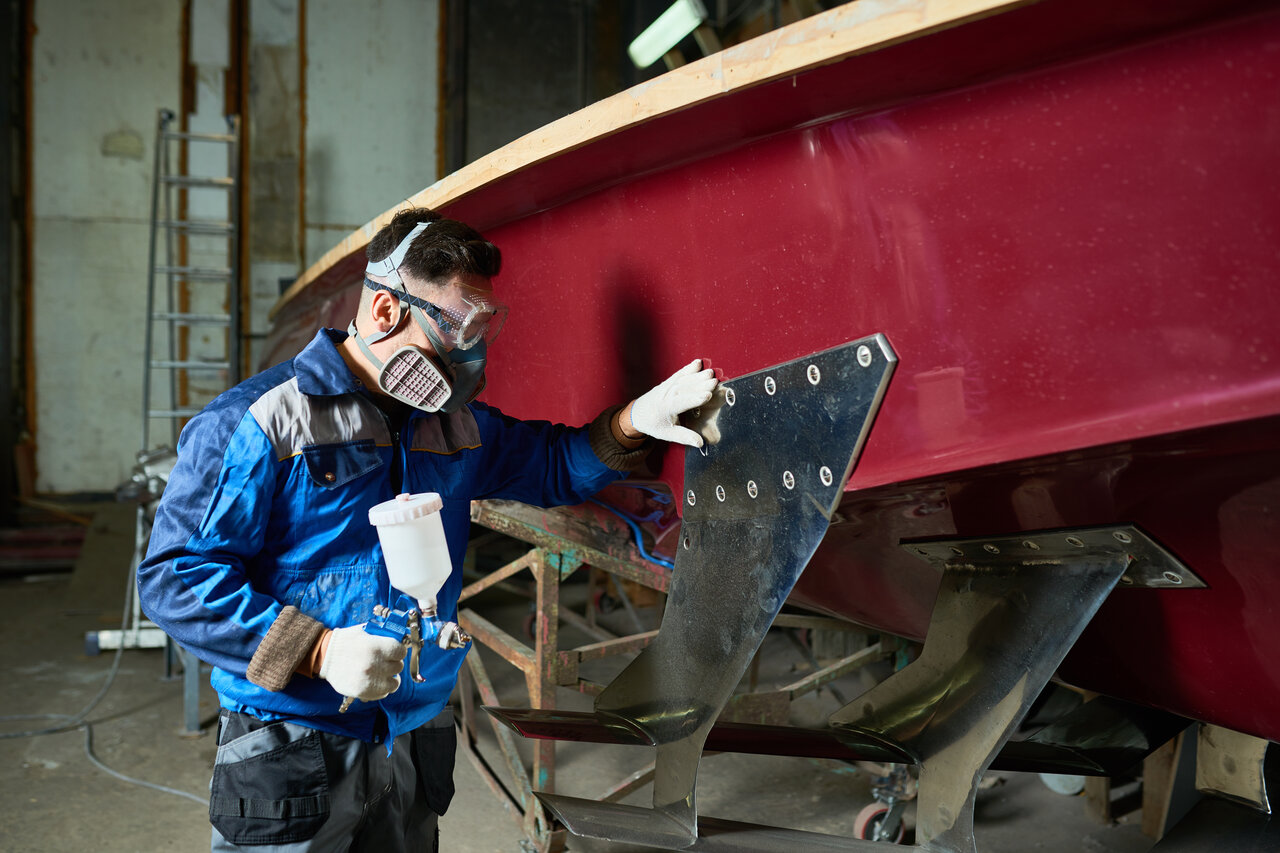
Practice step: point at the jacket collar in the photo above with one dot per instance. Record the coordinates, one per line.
(320, 368)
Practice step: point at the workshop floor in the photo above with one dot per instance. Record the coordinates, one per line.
(57, 801)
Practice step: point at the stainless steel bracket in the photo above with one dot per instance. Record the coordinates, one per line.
(1150, 564)
(1007, 612)
(780, 444)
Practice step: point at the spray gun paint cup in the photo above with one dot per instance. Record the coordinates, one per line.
(414, 546)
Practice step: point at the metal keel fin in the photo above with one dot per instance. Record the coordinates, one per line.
(1001, 625)
(759, 497)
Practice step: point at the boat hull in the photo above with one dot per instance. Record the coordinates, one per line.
(1066, 221)
(1208, 496)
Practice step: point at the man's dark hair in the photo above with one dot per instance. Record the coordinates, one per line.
(445, 249)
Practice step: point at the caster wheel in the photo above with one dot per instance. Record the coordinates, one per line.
(868, 822)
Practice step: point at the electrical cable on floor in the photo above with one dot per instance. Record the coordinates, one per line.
(78, 721)
(88, 750)
(74, 722)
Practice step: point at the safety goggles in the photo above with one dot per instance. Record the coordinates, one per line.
(473, 319)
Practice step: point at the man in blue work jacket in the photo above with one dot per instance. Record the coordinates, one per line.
(263, 562)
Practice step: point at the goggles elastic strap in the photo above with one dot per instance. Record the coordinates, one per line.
(452, 327)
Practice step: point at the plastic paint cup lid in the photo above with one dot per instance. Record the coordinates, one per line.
(405, 508)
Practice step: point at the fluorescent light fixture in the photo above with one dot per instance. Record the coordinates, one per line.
(682, 18)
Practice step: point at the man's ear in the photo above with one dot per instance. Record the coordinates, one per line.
(384, 311)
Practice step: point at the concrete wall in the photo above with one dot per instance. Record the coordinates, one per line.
(274, 116)
(371, 111)
(101, 71)
(210, 60)
(342, 123)
(342, 120)
(357, 127)
(342, 117)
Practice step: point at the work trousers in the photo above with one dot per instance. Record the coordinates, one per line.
(284, 788)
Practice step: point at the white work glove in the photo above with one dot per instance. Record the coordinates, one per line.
(362, 665)
(657, 411)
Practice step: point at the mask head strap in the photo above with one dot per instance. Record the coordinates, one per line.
(389, 266)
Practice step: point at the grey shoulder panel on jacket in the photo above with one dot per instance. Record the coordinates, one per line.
(293, 420)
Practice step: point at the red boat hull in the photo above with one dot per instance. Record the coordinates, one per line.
(1209, 496)
(1072, 242)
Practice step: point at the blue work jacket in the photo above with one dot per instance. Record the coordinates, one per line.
(268, 506)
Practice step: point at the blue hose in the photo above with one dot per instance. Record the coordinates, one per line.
(639, 535)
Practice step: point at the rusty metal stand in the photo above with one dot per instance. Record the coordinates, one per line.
(562, 542)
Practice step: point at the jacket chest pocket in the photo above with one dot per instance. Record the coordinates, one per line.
(334, 465)
(449, 475)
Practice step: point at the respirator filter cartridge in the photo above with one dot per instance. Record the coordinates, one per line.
(409, 375)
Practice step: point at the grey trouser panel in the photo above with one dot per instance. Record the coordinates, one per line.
(284, 787)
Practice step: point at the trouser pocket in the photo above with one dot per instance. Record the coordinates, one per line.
(435, 745)
(269, 785)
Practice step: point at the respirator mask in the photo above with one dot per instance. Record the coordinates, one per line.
(459, 332)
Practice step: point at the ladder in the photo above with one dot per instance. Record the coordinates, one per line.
(193, 341)
(193, 338)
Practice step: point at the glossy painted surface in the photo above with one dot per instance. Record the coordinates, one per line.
(1211, 496)
(1075, 257)
(1076, 263)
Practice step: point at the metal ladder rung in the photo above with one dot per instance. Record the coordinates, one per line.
(200, 253)
(195, 181)
(196, 226)
(198, 137)
(192, 319)
(196, 272)
(190, 365)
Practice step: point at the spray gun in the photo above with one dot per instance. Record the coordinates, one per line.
(418, 563)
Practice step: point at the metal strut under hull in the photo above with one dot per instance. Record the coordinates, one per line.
(781, 444)
(1105, 737)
